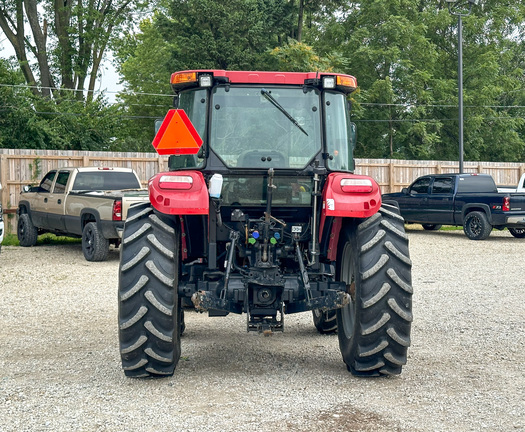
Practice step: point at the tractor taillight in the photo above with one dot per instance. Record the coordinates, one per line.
(177, 182)
(356, 185)
(117, 211)
(506, 204)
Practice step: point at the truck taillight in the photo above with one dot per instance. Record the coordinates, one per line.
(178, 182)
(356, 185)
(506, 204)
(117, 210)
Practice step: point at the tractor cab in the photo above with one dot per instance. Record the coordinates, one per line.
(256, 121)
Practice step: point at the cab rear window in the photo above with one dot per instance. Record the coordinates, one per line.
(105, 180)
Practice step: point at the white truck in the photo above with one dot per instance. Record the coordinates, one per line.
(87, 202)
(511, 189)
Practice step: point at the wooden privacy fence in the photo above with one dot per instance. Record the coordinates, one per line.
(22, 167)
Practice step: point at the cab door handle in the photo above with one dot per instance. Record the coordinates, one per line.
(59, 201)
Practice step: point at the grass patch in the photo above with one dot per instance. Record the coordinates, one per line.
(10, 240)
(44, 239)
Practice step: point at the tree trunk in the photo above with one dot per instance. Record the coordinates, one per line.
(300, 21)
(62, 22)
(41, 50)
(15, 34)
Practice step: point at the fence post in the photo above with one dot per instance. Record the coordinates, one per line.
(391, 180)
(3, 179)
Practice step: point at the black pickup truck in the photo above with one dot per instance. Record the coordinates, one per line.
(468, 200)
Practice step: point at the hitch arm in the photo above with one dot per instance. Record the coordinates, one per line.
(304, 273)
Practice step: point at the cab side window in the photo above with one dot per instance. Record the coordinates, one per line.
(442, 186)
(420, 186)
(61, 182)
(47, 182)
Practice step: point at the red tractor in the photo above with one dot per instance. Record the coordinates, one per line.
(264, 218)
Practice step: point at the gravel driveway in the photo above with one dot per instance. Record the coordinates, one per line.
(60, 366)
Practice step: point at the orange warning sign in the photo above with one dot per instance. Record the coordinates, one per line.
(177, 135)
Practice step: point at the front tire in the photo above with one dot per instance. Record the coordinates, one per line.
(27, 233)
(517, 232)
(476, 226)
(325, 322)
(431, 227)
(150, 316)
(94, 245)
(373, 259)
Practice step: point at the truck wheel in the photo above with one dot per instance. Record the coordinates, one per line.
(150, 316)
(27, 233)
(431, 227)
(325, 322)
(373, 259)
(476, 226)
(94, 246)
(517, 232)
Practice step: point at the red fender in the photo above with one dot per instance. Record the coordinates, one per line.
(179, 193)
(347, 195)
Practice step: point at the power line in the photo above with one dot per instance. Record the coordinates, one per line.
(409, 105)
(131, 117)
(429, 120)
(86, 91)
(372, 104)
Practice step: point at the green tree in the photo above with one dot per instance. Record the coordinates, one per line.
(36, 122)
(192, 34)
(143, 59)
(404, 54)
(223, 34)
(68, 39)
(296, 56)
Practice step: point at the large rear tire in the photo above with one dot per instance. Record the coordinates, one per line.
(27, 233)
(150, 315)
(373, 259)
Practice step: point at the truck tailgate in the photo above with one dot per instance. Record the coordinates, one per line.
(133, 198)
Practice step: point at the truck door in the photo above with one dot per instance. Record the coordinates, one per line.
(414, 204)
(441, 201)
(56, 202)
(40, 201)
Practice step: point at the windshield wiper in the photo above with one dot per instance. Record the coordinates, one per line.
(276, 104)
